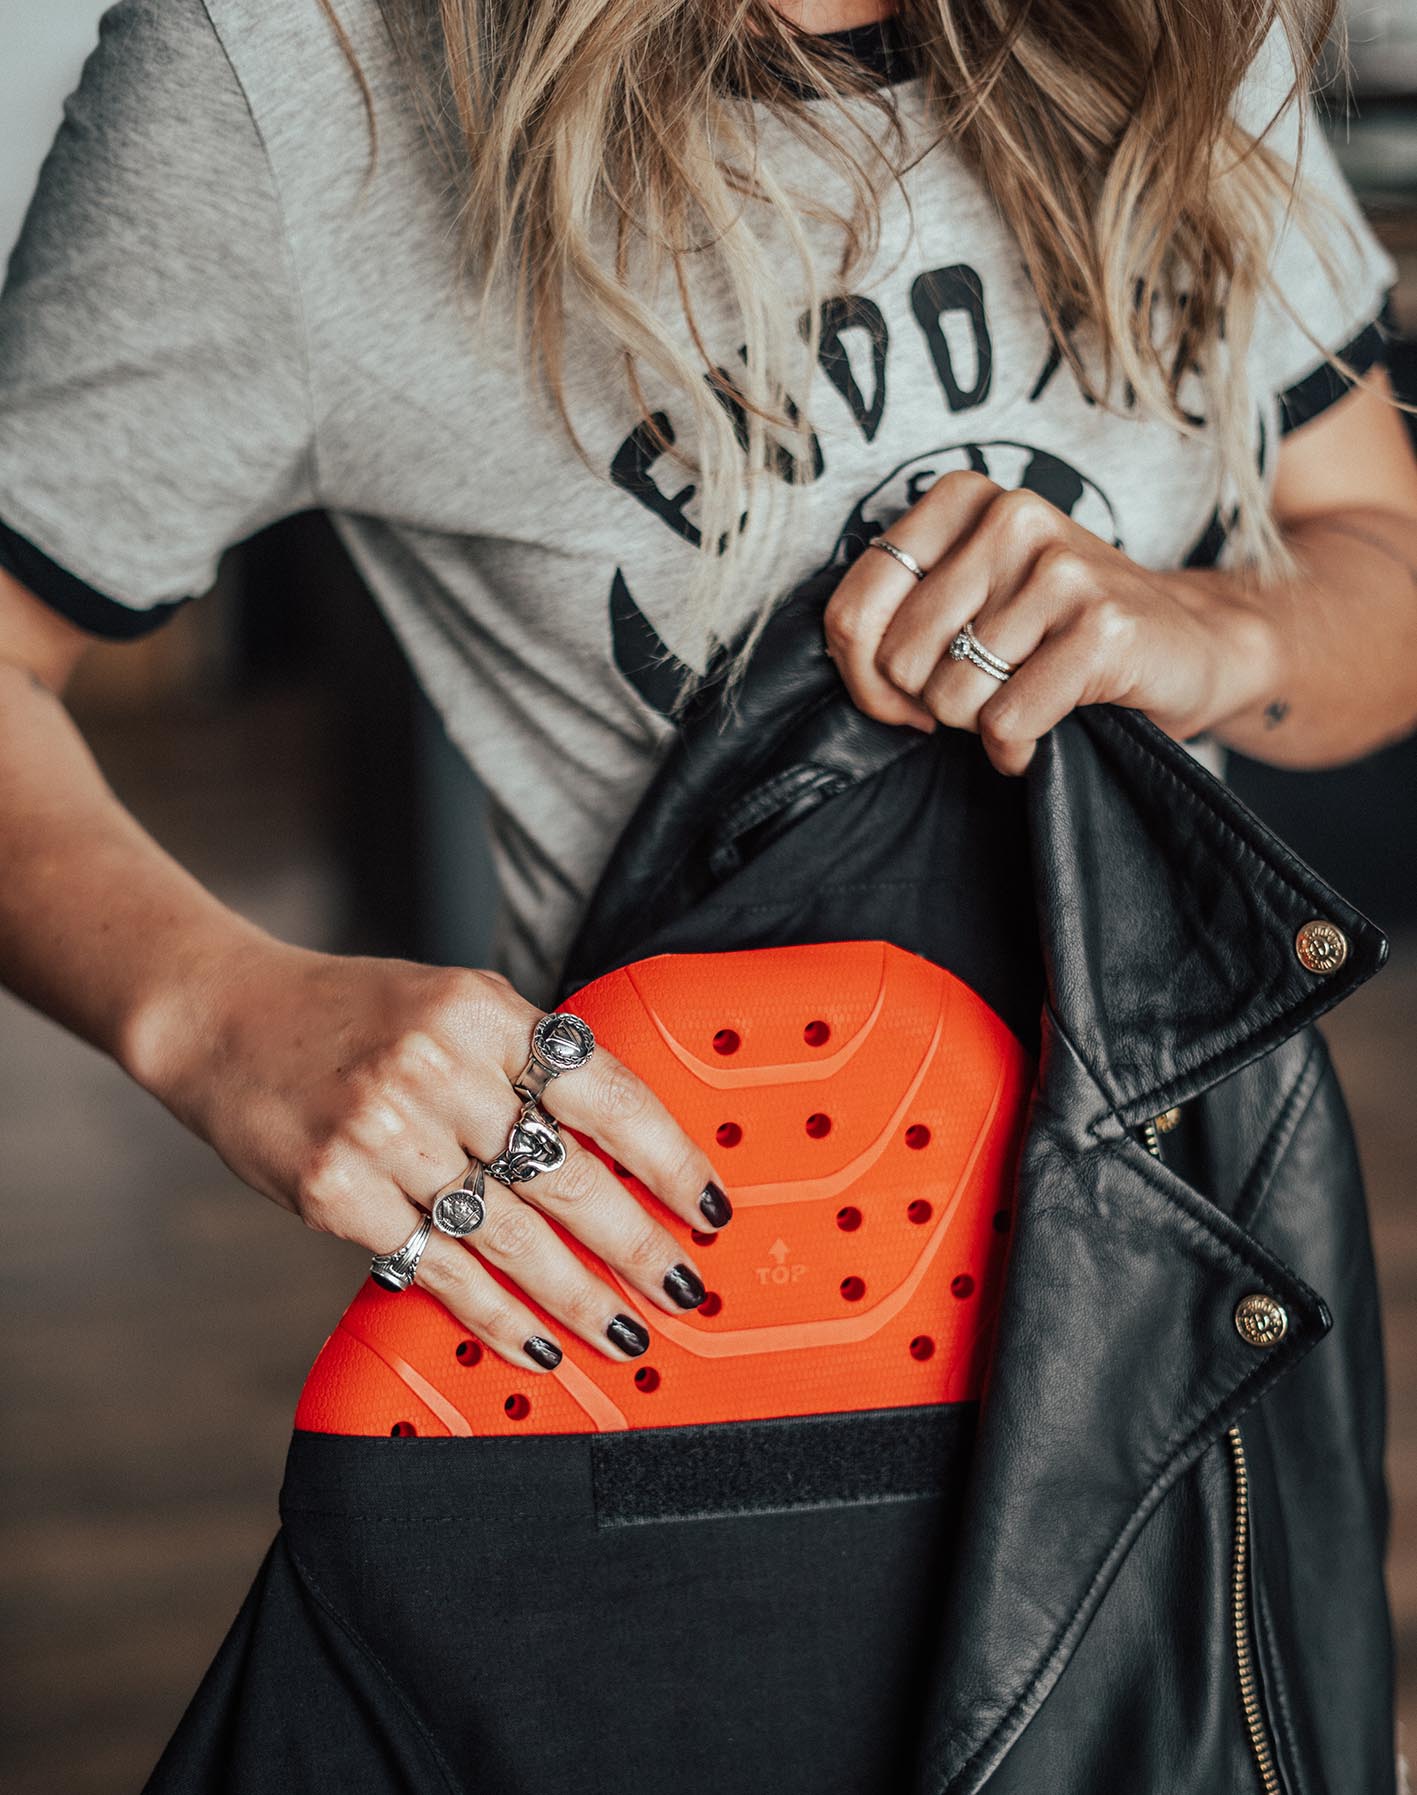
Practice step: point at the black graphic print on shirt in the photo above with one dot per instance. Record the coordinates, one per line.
(947, 308)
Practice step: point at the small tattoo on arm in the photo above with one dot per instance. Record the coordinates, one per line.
(1275, 713)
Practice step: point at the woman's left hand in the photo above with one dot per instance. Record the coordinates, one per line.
(1080, 621)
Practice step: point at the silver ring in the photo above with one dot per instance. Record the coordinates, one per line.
(908, 562)
(397, 1270)
(461, 1210)
(967, 647)
(560, 1042)
(534, 1146)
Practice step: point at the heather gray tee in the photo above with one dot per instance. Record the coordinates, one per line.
(207, 325)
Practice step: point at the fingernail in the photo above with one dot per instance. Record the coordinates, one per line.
(628, 1335)
(715, 1204)
(545, 1352)
(685, 1286)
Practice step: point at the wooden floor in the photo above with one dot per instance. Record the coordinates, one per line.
(158, 1318)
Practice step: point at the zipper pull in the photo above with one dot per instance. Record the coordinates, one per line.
(1152, 1130)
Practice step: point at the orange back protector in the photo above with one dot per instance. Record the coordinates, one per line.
(864, 1108)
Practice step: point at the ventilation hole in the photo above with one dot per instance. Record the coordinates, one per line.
(817, 1034)
(848, 1219)
(917, 1136)
(518, 1407)
(469, 1352)
(700, 1239)
(922, 1347)
(711, 1304)
(728, 1134)
(1001, 1221)
(920, 1211)
(853, 1289)
(403, 1430)
(819, 1126)
(727, 1040)
(647, 1378)
(962, 1286)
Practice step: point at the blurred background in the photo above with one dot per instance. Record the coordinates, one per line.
(158, 1318)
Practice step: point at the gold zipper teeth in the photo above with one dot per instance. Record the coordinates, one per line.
(1151, 1139)
(1240, 1608)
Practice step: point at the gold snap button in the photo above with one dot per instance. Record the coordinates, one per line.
(1321, 946)
(1260, 1320)
(1168, 1119)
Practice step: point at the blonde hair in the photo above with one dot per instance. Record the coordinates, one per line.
(1103, 132)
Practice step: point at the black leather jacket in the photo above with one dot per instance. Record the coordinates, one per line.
(1170, 1576)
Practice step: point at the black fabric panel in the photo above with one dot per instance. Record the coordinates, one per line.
(930, 854)
(1308, 397)
(66, 593)
(444, 1615)
(294, 1703)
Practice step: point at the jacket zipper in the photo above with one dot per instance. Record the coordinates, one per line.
(1260, 1744)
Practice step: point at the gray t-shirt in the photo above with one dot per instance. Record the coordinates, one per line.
(207, 325)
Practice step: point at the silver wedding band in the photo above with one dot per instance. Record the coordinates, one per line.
(967, 647)
(907, 561)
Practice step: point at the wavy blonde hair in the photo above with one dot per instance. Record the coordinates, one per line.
(605, 154)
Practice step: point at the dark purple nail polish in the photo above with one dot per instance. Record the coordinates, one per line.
(684, 1286)
(715, 1204)
(628, 1335)
(546, 1352)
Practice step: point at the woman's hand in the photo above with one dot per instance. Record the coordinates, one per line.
(349, 1089)
(1081, 622)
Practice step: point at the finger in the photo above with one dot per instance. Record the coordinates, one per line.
(515, 1238)
(875, 587)
(355, 1205)
(584, 1195)
(607, 1101)
(484, 1305)
(1052, 682)
(1012, 622)
(994, 563)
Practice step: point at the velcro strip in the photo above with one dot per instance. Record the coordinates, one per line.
(788, 1462)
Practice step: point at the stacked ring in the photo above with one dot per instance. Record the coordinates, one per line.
(967, 647)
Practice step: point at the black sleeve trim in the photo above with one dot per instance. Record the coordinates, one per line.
(1318, 390)
(67, 594)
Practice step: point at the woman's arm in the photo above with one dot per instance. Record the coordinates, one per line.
(94, 915)
(347, 1088)
(1344, 635)
(1308, 671)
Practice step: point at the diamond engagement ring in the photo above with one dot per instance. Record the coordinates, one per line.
(397, 1270)
(967, 647)
(534, 1146)
(560, 1042)
(461, 1211)
(907, 561)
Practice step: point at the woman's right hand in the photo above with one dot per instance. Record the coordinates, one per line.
(350, 1089)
